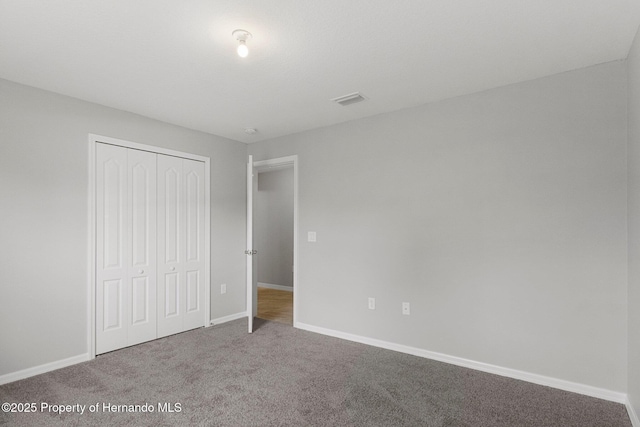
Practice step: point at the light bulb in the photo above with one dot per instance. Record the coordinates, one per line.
(243, 50)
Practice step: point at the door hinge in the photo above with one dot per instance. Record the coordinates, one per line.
(253, 252)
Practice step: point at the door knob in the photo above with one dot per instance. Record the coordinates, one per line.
(141, 271)
(172, 268)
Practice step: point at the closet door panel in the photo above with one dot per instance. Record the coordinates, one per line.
(193, 172)
(172, 295)
(194, 202)
(171, 245)
(193, 292)
(142, 241)
(112, 229)
(171, 207)
(140, 307)
(113, 294)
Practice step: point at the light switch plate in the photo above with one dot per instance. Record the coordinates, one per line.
(311, 236)
(223, 288)
(372, 303)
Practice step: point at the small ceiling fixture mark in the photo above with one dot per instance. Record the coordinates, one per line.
(250, 131)
(349, 99)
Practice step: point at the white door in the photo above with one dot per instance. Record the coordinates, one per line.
(125, 267)
(142, 243)
(194, 261)
(252, 290)
(111, 249)
(180, 244)
(170, 245)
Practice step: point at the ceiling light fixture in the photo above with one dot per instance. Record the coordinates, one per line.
(242, 36)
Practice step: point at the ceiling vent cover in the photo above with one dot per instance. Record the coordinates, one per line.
(352, 98)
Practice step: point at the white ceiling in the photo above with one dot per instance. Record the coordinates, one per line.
(175, 60)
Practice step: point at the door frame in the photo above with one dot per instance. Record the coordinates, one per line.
(276, 164)
(91, 291)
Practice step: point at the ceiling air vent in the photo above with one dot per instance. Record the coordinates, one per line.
(352, 98)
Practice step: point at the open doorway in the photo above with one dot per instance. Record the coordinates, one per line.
(274, 239)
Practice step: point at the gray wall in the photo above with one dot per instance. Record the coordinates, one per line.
(633, 162)
(273, 224)
(500, 216)
(44, 207)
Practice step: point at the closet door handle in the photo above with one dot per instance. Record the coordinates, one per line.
(172, 268)
(141, 271)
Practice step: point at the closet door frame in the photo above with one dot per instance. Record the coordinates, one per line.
(91, 291)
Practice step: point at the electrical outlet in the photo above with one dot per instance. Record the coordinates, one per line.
(223, 288)
(372, 303)
(406, 308)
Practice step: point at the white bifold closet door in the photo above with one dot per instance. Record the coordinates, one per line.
(126, 249)
(180, 244)
(150, 246)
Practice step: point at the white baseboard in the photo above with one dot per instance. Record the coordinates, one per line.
(584, 389)
(228, 318)
(635, 421)
(587, 390)
(278, 287)
(47, 367)
(41, 369)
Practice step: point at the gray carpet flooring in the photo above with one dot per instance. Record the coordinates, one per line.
(281, 376)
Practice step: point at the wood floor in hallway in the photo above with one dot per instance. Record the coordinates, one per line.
(275, 305)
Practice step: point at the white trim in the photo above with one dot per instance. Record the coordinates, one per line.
(271, 165)
(95, 139)
(91, 241)
(281, 163)
(277, 287)
(41, 369)
(584, 389)
(296, 285)
(207, 241)
(228, 318)
(249, 273)
(633, 416)
(151, 148)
